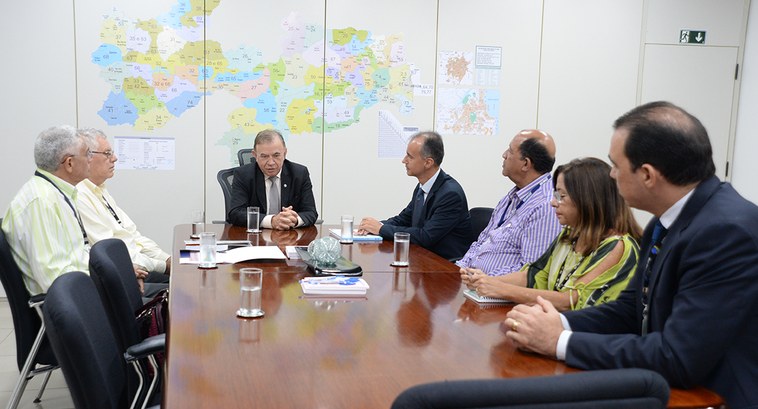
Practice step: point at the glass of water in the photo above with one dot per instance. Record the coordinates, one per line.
(402, 245)
(207, 250)
(250, 293)
(346, 235)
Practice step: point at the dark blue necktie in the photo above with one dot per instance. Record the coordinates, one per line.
(659, 232)
(418, 208)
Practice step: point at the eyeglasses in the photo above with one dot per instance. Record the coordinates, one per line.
(89, 155)
(558, 196)
(107, 154)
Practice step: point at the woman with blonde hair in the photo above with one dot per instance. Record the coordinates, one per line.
(592, 259)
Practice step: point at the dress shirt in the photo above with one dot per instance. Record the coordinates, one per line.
(44, 233)
(100, 224)
(667, 219)
(528, 228)
(426, 187)
(266, 222)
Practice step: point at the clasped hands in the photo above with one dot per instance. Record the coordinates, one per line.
(284, 220)
(534, 328)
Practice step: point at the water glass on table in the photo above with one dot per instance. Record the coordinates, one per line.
(207, 250)
(250, 293)
(346, 235)
(198, 224)
(253, 219)
(402, 245)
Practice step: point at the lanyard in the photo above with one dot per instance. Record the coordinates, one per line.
(521, 203)
(71, 205)
(110, 209)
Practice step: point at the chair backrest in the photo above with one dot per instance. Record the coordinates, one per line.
(627, 388)
(86, 348)
(26, 321)
(245, 156)
(480, 217)
(113, 275)
(225, 178)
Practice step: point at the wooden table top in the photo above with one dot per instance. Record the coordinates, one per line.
(413, 327)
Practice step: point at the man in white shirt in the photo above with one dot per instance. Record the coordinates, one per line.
(103, 218)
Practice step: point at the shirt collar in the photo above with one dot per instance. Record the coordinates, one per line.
(426, 187)
(67, 188)
(544, 178)
(669, 216)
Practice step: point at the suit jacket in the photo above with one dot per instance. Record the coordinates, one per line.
(445, 226)
(249, 189)
(703, 324)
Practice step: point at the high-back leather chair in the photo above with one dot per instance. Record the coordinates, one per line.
(112, 273)
(245, 156)
(629, 388)
(225, 178)
(33, 353)
(80, 335)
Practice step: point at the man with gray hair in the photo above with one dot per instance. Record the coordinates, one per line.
(280, 188)
(103, 218)
(437, 217)
(42, 224)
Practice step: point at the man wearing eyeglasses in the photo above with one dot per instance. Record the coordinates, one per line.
(42, 224)
(280, 188)
(523, 223)
(103, 218)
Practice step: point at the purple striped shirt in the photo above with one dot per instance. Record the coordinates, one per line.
(528, 227)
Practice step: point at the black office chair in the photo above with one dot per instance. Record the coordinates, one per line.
(245, 156)
(225, 178)
(33, 353)
(480, 217)
(113, 275)
(630, 388)
(79, 333)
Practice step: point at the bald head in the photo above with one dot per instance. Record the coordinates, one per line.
(537, 146)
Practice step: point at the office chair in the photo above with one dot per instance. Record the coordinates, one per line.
(79, 333)
(615, 388)
(33, 353)
(480, 217)
(225, 178)
(245, 156)
(112, 273)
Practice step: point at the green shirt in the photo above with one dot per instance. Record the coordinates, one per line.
(43, 232)
(561, 267)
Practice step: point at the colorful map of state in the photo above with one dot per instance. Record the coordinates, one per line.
(160, 68)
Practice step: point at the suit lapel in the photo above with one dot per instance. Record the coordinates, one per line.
(702, 193)
(259, 187)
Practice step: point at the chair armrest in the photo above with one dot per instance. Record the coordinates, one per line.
(36, 300)
(148, 346)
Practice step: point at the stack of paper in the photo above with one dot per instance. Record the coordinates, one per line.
(235, 255)
(336, 285)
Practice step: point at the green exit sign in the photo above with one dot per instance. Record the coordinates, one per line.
(692, 37)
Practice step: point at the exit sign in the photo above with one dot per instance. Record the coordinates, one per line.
(692, 37)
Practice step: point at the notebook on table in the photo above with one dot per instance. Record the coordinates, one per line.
(472, 295)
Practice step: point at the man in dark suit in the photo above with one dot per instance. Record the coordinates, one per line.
(437, 217)
(280, 188)
(690, 311)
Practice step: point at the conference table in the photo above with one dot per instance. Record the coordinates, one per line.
(414, 326)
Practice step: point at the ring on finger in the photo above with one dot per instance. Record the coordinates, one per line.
(514, 326)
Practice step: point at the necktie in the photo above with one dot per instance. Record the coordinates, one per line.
(274, 204)
(418, 208)
(659, 232)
